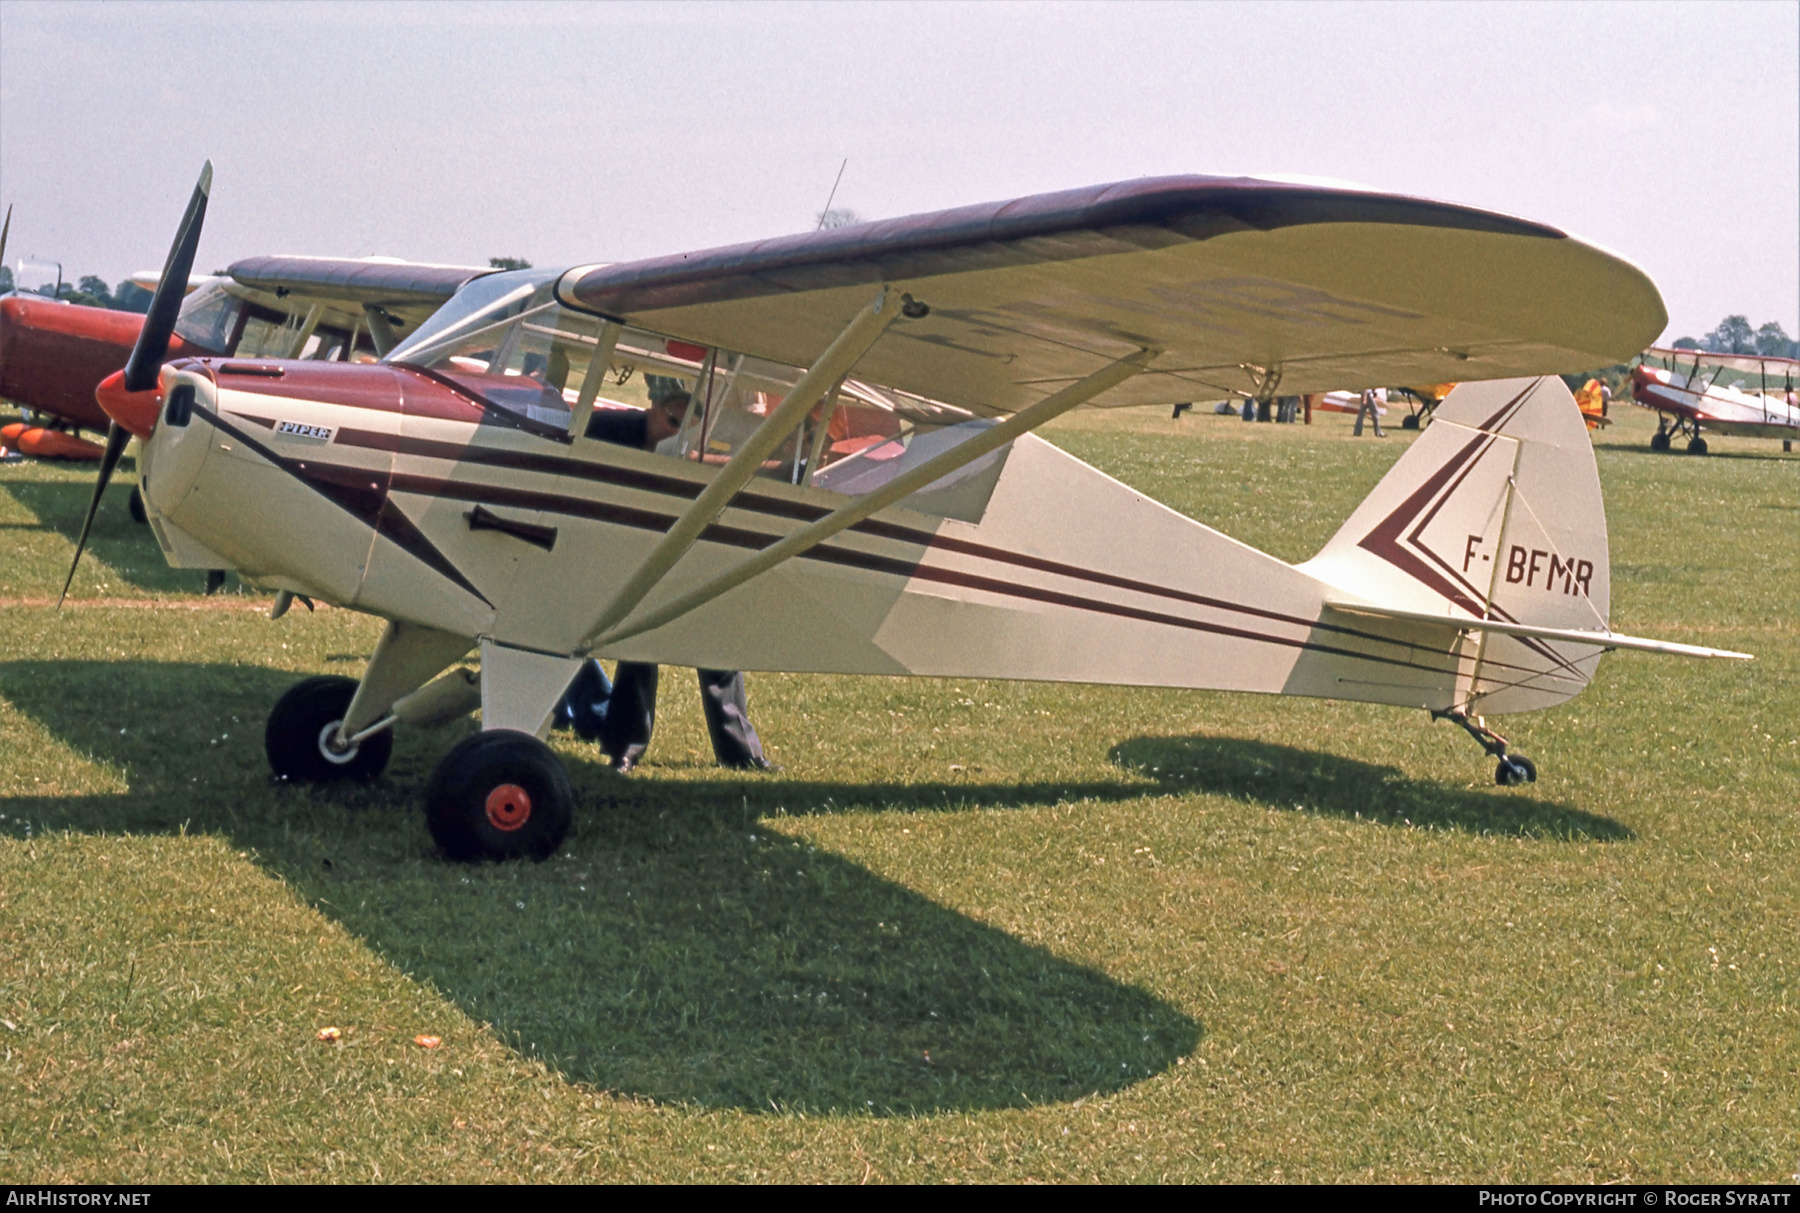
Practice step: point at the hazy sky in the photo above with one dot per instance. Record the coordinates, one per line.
(566, 133)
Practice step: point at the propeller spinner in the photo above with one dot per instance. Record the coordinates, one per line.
(130, 396)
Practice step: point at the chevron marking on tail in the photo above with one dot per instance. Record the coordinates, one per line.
(1410, 552)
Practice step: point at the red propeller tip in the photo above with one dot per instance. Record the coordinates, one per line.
(134, 411)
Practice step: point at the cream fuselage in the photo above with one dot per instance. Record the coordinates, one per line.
(387, 490)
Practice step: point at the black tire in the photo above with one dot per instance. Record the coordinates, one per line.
(499, 795)
(1659, 441)
(136, 505)
(1410, 421)
(299, 724)
(1696, 446)
(1514, 770)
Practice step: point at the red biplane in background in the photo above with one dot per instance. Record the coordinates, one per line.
(1738, 395)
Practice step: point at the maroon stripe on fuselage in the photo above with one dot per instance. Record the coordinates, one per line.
(761, 503)
(755, 540)
(346, 384)
(360, 493)
(492, 494)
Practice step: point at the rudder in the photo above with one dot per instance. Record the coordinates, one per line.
(1495, 512)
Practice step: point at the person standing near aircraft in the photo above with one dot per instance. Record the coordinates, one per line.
(621, 714)
(1372, 399)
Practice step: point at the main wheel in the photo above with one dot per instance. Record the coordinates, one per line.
(303, 726)
(1514, 770)
(1659, 441)
(1696, 446)
(499, 795)
(136, 505)
(1410, 421)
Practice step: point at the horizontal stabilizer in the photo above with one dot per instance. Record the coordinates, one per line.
(1605, 640)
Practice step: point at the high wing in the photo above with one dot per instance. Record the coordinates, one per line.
(1238, 284)
(406, 292)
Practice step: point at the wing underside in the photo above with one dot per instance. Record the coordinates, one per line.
(1240, 284)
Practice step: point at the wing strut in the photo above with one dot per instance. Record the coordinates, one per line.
(820, 378)
(598, 363)
(900, 486)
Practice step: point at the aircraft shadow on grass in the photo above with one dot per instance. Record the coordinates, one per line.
(125, 547)
(1284, 777)
(677, 948)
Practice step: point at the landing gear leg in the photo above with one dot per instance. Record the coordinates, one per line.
(1514, 769)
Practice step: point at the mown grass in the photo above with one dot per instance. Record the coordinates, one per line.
(969, 931)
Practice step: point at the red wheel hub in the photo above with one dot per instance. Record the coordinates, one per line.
(508, 807)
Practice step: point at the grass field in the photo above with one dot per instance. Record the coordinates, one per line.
(970, 931)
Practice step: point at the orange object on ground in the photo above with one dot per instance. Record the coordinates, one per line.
(1592, 404)
(54, 444)
(9, 434)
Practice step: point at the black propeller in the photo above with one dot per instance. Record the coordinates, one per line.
(145, 365)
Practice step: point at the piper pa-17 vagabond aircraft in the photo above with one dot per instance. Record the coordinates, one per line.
(452, 489)
(1739, 395)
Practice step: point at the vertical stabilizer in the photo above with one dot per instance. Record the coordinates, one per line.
(1494, 513)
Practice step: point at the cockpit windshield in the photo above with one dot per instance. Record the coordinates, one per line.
(507, 341)
(208, 317)
(483, 303)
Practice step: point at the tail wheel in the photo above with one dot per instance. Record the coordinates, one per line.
(301, 736)
(499, 795)
(136, 505)
(1514, 770)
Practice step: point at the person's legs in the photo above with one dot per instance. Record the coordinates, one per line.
(734, 739)
(630, 714)
(584, 705)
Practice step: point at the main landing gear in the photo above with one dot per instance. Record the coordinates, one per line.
(1667, 432)
(498, 794)
(302, 737)
(1514, 769)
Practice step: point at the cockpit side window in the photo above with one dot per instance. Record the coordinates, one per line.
(508, 341)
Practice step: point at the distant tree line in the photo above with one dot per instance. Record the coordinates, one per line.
(1735, 336)
(89, 291)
